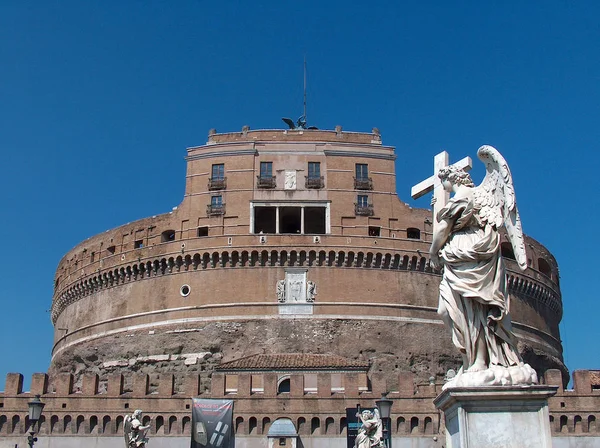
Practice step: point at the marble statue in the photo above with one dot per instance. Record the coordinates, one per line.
(370, 434)
(473, 300)
(135, 432)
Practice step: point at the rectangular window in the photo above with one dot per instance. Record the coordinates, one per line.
(138, 244)
(362, 200)
(256, 384)
(337, 382)
(231, 384)
(216, 201)
(314, 170)
(362, 171)
(202, 231)
(310, 383)
(218, 171)
(266, 169)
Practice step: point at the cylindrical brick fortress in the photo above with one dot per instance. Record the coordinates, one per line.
(286, 242)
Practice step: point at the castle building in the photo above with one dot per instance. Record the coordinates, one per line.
(292, 279)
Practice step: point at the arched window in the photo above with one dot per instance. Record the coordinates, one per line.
(119, 424)
(577, 424)
(239, 425)
(413, 233)
(67, 428)
(252, 424)
(401, 425)
(315, 425)
(160, 425)
(428, 426)
(414, 425)
(172, 425)
(266, 423)
(283, 385)
(507, 251)
(544, 267)
(93, 424)
(185, 425)
(79, 425)
(301, 425)
(329, 425)
(53, 424)
(563, 424)
(106, 425)
(592, 423)
(343, 426)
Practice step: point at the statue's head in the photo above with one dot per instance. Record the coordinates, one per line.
(455, 176)
(137, 413)
(367, 415)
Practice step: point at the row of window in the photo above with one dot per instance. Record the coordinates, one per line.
(266, 179)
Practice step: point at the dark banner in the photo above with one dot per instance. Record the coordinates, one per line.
(212, 423)
(353, 424)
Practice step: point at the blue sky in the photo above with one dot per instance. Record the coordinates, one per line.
(98, 101)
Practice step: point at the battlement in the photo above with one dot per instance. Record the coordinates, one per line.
(96, 407)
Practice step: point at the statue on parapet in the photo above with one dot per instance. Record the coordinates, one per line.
(135, 432)
(473, 300)
(370, 434)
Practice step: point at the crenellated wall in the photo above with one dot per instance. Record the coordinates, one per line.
(94, 409)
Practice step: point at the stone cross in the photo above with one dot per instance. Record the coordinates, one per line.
(433, 183)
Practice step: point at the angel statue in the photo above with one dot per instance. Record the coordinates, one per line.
(473, 300)
(370, 434)
(135, 432)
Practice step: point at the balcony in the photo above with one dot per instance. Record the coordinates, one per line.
(363, 210)
(314, 183)
(217, 183)
(265, 181)
(363, 183)
(215, 210)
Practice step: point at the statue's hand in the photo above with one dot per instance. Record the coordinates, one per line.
(435, 261)
(433, 201)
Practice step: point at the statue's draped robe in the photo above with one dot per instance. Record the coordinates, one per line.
(473, 287)
(370, 434)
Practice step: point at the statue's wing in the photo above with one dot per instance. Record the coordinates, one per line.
(495, 198)
(127, 430)
(289, 122)
(377, 415)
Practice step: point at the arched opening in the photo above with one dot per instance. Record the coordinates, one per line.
(239, 425)
(315, 425)
(343, 426)
(185, 425)
(53, 424)
(544, 267)
(577, 424)
(592, 423)
(172, 424)
(266, 423)
(67, 421)
(301, 425)
(106, 425)
(159, 425)
(428, 425)
(329, 426)
(119, 424)
(15, 423)
(414, 425)
(93, 424)
(252, 425)
(563, 424)
(401, 425)
(79, 426)
(283, 385)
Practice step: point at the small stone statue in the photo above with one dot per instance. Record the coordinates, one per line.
(473, 300)
(281, 291)
(370, 434)
(311, 291)
(135, 432)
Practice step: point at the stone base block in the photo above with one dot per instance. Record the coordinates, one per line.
(496, 417)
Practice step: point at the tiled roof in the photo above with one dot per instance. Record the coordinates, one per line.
(294, 361)
(595, 378)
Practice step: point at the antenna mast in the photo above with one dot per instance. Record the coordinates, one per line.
(304, 87)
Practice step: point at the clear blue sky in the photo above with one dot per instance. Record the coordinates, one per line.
(98, 101)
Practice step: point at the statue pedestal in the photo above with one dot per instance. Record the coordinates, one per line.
(494, 417)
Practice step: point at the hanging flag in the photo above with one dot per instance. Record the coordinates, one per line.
(212, 423)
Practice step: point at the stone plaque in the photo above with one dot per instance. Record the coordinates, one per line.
(290, 180)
